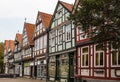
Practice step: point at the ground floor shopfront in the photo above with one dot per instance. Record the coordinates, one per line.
(30, 69)
(6, 69)
(18, 69)
(41, 67)
(11, 71)
(62, 67)
(95, 64)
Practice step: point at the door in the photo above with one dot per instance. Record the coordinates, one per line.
(57, 76)
(31, 71)
(71, 67)
(35, 71)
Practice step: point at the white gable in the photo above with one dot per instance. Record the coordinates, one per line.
(60, 15)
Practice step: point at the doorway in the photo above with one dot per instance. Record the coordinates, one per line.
(71, 67)
(57, 75)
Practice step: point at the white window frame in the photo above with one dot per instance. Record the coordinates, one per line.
(68, 30)
(82, 35)
(45, 41)
(60, 36)
(85, 56)
(117, 65)
(38, 43)
(41, 42)
(53, 38)
(98, 56)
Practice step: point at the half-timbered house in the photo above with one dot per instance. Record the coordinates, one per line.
(95, 64)
(40, 39)
(27, 48)
(17, 54)
(6, 44)
(11, 57)
(61, 45)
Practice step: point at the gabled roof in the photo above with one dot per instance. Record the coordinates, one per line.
(46, 18)
(6, 44)
(19, 37)
(30, 31)
(66, 5)
(11, 45)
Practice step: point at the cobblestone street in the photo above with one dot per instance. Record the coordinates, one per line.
(20, 80)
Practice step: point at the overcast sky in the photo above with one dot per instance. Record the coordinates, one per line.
(13, 13)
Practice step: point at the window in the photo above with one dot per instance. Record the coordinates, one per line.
(99, 56)
(68, 32)
(60, 32)
(60, 20)
(115, 57)
(53, 24)
(37, 45)
(41, 42)
(53, 38)
(45, 41)
(52, 66)
(82, 35)
(67, 15)
(64, 65)
(84, 54)
(59, 14)
(25, 41)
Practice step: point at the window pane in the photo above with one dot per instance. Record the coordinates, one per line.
(118, 59)
(97, 57)
(83, 60)
(98, 48)
(85, 50)
(86, 60)
(60, 32)
(101, 58)
(114, 58)
(68, 32)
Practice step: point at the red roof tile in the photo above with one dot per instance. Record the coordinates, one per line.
(11, 45)
(19, 37)
(46, 18)
(30, 31)
(6, 44)
(67, 5)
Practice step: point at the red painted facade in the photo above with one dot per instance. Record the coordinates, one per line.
(107, 71)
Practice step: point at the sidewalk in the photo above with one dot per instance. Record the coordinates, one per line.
(20, 80)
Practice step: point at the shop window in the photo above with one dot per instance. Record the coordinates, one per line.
(84, 55)
(64, 65)
(52, 66)
(99, 56)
